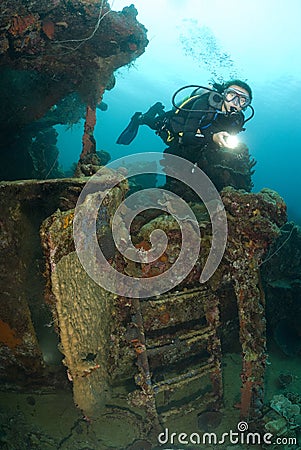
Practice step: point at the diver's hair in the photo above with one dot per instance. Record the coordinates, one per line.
(221, 87)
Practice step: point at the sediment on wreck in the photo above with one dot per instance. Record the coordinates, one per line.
(281, 273)
(25, 321)
(154, 350)
(254, 223)
(190, 316)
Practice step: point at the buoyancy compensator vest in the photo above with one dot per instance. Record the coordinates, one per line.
(200, 105)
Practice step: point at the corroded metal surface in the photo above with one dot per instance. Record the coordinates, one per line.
(174, 337)
(57, 60)
(69, 46)
(183, 351)
(168, 345)
(254, 223)
(23, 207)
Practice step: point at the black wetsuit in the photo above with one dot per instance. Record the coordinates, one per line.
(188, 133)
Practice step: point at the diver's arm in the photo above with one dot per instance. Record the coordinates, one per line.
(230, 126)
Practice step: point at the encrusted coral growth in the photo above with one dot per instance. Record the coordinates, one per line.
(8, 336)
(23, 314)
(283, 418)
(224, 167)
(80, 306)
(281, 276)
(20, 355)
(67, 47)
(89, 161)
(164, 344)
(254, 222)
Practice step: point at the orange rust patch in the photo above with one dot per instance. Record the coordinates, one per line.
(144, 245)
(67, 220)
(21, 25)
(8, 336)
(163, 258)
(48, 28)
(164, 318)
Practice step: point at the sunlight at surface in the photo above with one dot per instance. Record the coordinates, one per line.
(265, 32)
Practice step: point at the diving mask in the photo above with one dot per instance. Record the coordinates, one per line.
(237, 97)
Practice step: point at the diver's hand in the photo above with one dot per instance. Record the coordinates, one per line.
(220, 138)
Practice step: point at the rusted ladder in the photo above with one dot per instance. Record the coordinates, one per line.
(179, 352)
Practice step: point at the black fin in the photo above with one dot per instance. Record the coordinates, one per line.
(130, 132)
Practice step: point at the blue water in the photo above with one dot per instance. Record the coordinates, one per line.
(193, 41)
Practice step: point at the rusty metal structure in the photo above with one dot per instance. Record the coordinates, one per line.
(57, 60)
(163, 353)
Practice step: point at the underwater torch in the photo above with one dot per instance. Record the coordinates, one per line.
(232, 141)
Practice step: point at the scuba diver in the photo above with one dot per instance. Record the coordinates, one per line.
(200, 125)
(208, 114)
